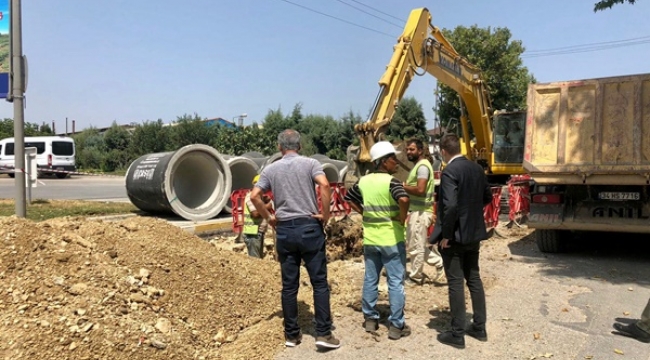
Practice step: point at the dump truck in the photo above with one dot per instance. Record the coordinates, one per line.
(587, 149)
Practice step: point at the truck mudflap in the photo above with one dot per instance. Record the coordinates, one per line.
(611, 216)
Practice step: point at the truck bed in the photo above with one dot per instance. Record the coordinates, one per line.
(593, 131)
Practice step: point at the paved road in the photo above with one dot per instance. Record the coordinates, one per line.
(73, 188)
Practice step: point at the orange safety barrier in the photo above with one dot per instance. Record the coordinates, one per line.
(519, 197)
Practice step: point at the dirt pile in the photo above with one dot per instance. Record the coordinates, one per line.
(134, 289)
(344, 239)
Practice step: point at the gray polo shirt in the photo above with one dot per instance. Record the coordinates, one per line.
(291, 180)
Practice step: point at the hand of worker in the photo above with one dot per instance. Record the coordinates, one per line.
(322, 218)
(272, 221)
(444, 244)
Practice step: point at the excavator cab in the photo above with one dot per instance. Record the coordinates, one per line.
(508, 137)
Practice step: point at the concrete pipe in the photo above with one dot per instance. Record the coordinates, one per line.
(192, 182)
(242, 170)
(342, 166)
(257, 158)
(271, 159)
(331, 173)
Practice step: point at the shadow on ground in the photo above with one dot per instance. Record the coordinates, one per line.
(614, 257)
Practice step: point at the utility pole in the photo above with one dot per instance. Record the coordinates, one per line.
(18, 90)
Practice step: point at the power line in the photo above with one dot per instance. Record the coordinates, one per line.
(377, 10)
(587, 49)
(339, 19)
(373, 15)
(587, 45)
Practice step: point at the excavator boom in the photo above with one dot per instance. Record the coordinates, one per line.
(422, 49)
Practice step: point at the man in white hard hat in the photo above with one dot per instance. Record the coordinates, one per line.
(384, 204)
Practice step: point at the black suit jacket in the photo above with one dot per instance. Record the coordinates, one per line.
(462, 194)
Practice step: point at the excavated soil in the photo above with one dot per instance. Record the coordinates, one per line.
(74, 288)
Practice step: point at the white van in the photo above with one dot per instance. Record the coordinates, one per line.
(52, 153)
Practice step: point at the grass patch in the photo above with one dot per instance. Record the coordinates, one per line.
(47, 209)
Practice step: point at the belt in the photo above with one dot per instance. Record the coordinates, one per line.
(297, 221)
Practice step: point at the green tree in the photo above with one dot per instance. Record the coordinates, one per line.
(499, 58)
(607, 4)
(116, 138)
(150, 137)
(408, 121)
(191, 129)
(89, 148)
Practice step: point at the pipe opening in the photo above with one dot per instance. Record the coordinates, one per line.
(195, 178)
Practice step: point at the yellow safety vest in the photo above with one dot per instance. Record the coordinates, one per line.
(251, 224)
(421, 203)
(379, 210)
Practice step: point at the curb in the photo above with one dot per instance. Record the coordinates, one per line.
(212, 227)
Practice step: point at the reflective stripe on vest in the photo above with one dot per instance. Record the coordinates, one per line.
(421, 203)
(379, 210)
(251, 224)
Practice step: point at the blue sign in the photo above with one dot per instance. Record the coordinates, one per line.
(4, 48)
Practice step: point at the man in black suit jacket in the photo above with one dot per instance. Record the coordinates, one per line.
(460, 227)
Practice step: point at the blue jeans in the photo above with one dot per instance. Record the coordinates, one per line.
(393, 258)
(303, 240)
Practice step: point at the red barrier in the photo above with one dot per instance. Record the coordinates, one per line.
(237, 199)
(338, 206)
(491, 210)
(519, 197)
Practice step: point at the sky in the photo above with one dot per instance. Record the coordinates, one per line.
(101, 61)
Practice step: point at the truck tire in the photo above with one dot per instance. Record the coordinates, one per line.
(550, 241)
(61, 175)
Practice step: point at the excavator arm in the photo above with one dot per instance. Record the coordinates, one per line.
(423, 49)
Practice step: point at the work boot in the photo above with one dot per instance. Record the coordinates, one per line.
(371, 325)
(395, 333)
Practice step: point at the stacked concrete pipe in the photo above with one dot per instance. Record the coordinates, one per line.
(257, 158)
(192, 182)
(341, 166)
(243, 171)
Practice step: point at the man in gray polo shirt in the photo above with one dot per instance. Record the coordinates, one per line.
(300, 237)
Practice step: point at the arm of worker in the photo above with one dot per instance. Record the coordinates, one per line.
(402, 198)
(256, 198)
(354, 198)
(325, 196)
(421, 186)
(449, 201)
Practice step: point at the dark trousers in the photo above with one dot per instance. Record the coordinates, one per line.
(303, 241)
(461, 263)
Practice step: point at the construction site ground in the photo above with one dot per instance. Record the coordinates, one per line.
(141, 288)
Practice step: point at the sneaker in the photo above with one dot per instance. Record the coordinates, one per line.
(395, 333)
(371, 325)
(480, 335)
(327, 342)
(293, 342)
(633, 331)
(448, 338)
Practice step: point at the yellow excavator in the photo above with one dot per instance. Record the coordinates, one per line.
(422, 49)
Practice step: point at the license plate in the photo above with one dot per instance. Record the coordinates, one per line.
(616, 195)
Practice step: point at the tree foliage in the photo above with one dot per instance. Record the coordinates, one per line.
(499, 58)
(607, 4)
(116, 148)
(31, 129)
(408, 122)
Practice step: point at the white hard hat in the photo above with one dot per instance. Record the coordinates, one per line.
(381, 149)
